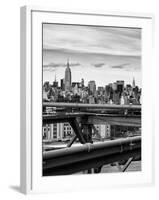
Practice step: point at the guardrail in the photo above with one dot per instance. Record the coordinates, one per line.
(75, 159)
(83, 105)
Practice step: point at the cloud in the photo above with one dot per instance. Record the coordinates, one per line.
(91, 39)
(122, 66)
(74, 64)
(52, 66)
(48, 68)
(98, 65)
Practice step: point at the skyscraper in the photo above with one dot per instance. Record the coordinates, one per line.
(67, 77)
(133, 83)
(82, 82)
(92, 87)
(62, 84)
(55, 83)
(120, 87)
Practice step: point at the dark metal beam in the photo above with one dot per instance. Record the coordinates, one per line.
(92, 152)
(73, 139)
(81, 105)
(131, 141)
(93, 119)
(60, 117)
(122, 121)
(77, 129)
(127, 164)
(93, 163)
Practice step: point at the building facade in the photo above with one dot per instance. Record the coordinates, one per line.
(103, 130)
(92, 87)
(57, 131)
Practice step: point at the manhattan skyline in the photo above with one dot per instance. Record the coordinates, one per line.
(103, 54)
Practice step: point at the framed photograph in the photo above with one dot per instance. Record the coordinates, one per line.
(86, 113)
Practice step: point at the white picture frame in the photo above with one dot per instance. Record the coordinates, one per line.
(31, 100)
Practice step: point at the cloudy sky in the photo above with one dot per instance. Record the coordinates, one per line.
(103, 54)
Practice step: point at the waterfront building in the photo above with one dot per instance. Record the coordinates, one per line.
(63, 131)
(57, 131)
(103, 130)
(53, 132)
(67, 130)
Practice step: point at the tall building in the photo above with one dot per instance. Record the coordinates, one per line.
(82, 82)
(67, 77)
(133, 83)
(100, 90)
(76, 83)
(114, 86)
(62, 84)
(55, 83)
(75, 89)
(46, 86)
(116, 97)
(120, 87)
(92, 87)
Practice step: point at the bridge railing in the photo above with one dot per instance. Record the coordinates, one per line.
(83, 105)
(75, 159)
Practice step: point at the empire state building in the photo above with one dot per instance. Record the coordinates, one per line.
(67, 78)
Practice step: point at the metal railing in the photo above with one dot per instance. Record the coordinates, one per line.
(83, 105)
(75, 159)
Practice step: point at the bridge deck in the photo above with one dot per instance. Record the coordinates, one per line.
(94, 119)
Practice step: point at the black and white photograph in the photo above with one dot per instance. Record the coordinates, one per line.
(91, 99)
